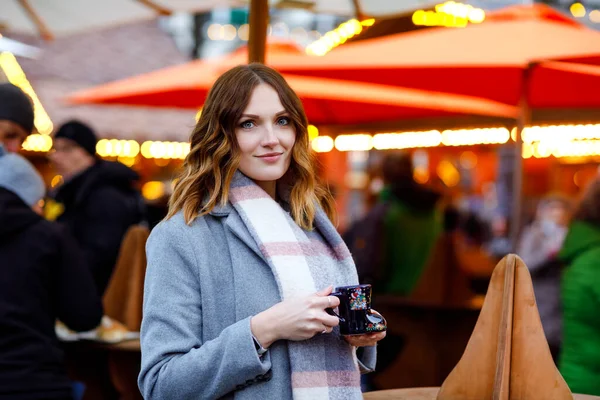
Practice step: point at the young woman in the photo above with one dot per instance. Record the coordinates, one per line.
(240, 271)
(579, 360)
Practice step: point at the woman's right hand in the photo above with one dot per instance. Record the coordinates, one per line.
(296, 319)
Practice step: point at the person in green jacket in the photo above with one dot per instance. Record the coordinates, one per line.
(411, 226)
(579, 362)
(392, 243)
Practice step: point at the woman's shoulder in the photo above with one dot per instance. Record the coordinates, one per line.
(176, 230)
(176, 224)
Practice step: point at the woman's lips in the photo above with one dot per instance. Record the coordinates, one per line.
(270, 157)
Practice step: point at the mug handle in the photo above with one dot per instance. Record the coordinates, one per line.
(372, 311)
(330, 310)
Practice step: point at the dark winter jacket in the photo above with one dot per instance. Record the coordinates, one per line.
(100, 205)
(42, 278)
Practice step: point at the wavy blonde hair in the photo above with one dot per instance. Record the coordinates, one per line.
(214, 153)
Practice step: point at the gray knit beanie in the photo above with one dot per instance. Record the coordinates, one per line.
(20, 177)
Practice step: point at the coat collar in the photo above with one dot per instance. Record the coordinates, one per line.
(237, 226)
(233, 221)
(222, 211)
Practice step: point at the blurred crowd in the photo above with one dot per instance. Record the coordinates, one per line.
(58, 250)
(413, 230)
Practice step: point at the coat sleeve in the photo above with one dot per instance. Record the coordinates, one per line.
(367, 358)
(78, 304)
(106, 216)
(176, 362)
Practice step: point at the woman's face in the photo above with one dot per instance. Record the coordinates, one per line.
(556, 213)
(266, 138)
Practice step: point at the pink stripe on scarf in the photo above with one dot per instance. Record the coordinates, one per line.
(306, 249)
(309, 379)
(242, 193)
(325, 378)
(341, 251)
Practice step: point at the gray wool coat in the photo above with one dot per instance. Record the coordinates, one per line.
(203, 284)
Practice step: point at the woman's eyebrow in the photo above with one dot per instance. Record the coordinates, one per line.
(253, 116)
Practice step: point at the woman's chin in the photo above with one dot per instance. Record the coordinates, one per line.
(273, 174)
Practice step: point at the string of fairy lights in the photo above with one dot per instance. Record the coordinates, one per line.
(538, 142)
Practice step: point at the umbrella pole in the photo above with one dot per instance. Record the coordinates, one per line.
(518, 174)
(37, 20)
(259, 17)
(358, 10)
(156, 7)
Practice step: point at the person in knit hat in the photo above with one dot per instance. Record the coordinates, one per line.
(20, 177)
(16, 117)
(43, 278)
(74, 149)
(98, 197)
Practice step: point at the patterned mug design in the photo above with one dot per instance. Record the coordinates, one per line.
(358, 299)
(378, 327)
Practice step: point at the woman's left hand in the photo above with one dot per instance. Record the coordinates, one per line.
(369, 339)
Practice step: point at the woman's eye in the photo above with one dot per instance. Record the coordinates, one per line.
(283, 121)
(247, 124)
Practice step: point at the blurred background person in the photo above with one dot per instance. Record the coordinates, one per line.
(398, 233)
(16, 117)
(99, 198)
(538, 247)
(470, 252)
(392, 244)
(499, 244)
(411, 225)
(579, 360)
(42, 278)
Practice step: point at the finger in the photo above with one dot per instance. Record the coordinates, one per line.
(327, 329)
(369, 339)
(329, 320)
(372, 339)
(325, 292)
(377, 336)
(333, 301)
(372, 335)
(323, 302)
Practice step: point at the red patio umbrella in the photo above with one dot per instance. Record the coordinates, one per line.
(326, 101)
(486, 60)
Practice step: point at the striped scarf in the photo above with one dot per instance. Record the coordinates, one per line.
(325, 366)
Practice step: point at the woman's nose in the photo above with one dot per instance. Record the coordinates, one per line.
(270, 137)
